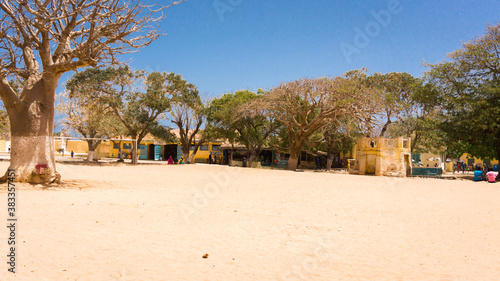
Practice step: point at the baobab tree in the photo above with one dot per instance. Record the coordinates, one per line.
(42, 39)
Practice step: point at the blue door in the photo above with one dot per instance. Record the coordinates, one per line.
(144, 152)
(157, 152)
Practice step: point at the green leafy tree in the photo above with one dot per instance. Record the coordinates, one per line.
(468, 85)
(187, 112)
(339, 137)
(118, 88)
(395, 92)
(242, 123)
(420, 120)
(87, 117)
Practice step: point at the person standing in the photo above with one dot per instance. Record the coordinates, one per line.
(72, 153)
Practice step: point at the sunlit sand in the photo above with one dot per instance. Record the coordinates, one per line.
(157, 222)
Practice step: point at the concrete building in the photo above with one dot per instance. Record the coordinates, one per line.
(383, 157)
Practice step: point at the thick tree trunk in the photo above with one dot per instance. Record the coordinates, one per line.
(293, 161)
(329, 161)
(251, 157)
(92, 145)
(191, 157)
(185, 153)
(32, 141)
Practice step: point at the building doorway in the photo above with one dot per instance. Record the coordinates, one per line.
(170, 150)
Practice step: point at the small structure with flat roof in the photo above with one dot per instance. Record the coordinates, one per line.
(383, 157)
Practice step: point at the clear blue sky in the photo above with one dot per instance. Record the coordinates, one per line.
(228, 45)
(244, 44)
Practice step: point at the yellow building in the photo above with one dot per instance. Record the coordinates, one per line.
(80, 147)
(383, 157)
(4, 146)
(147, 149)
(471, 162)
(430, 160)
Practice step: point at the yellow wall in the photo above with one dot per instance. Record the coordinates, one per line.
(203, 154)
(3, 146)
(381, 156)
(200, 155)
(113, 152)
(449, 165)
(425, 159)
(465, 157)
(80, 147)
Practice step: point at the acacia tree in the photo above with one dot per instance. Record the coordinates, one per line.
(247, 125)
(468, 86)
(420, 120)
(307, 105)
(395, 92)
(89, 118)
(188, 113)
(339, 137)
(42, 39)
(117, 89)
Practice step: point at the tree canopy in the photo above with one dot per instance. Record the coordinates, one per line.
(240, 123)
(304, 106)
(120, 90)
(468, 85)
(41, 40)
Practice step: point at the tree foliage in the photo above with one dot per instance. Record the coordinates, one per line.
(119, 89)
(41, 40)
(89, 118)
(395, 92)
(239, 122)
(187, 112)
(339, 136)
(468, 84)
(307, 105)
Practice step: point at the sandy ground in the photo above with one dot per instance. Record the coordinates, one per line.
(155, 222)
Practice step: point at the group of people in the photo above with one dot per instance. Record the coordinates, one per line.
(213, 159)
(171, 160)
(460, 166)
(487, 175)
